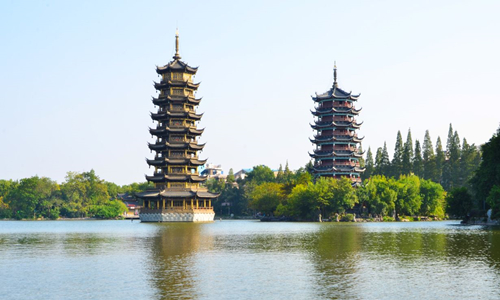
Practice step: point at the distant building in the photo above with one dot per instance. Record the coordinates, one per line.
(242, 174)
(337, 152)
(133, 205)
(213, 171)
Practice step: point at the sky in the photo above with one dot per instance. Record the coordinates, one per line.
(77, 77)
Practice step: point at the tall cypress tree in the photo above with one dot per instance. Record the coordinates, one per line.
(429, 159)
(397, 159)
(378, 162)
(385, 162)
(468, 162)
(418, 164)
(369, 165)
(361, 159)
(407, 157)
(455, 153)
(440, 160)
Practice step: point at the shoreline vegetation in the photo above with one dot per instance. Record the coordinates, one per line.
(461, 182)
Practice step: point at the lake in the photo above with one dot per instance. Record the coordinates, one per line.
(248, 260)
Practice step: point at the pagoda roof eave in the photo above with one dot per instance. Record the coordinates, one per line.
(176, 66)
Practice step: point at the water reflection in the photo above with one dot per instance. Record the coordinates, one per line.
(170, 259)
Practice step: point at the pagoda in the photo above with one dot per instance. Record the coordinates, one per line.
(337, 151)
(179, 195)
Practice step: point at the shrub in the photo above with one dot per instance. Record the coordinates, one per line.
(347, 218)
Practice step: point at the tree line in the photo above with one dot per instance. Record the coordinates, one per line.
(298, 196)
(81, 195)
(451, 167)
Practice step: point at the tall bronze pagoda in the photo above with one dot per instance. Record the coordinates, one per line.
(337, 152)
(178, 195)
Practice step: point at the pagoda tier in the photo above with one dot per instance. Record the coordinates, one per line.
(169, 99)
(178, 194)
(337, 151)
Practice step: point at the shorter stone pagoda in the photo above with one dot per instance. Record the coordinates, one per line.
(178, 195)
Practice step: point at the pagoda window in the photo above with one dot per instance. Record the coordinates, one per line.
(176, 123)
(177, 153)
(176, 138)
(177, 170)
(177, 91)
(177, 107)
(177, 76)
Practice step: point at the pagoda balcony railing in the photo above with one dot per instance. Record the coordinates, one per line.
(323, 137)
(323, 122)
(336, 106)
(321, 167)
(345, 136)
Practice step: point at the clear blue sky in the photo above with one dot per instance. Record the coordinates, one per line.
(76, 77)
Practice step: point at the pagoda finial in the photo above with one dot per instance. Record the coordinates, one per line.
(335, 74)
(177, 55)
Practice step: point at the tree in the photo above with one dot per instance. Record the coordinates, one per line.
(418, 164)
(378, 162)
(397, 160)
(468, 162)
(369, 165)
(230, 177)
(409, 199)
(459, 202)
(433, 199)
(280, 177)
(385, 161)
(493, 200)
(429, 159)
(407, 156)
(261, 174)
(440, 160)
(381, 195)
(361, 159)
(266, 197)
(488, 174)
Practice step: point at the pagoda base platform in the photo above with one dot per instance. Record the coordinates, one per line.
(177, 215)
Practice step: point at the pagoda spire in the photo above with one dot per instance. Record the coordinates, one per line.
(177, 56)
(335, 74)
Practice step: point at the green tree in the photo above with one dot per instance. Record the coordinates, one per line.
(378, 162)
(440, 161)
(459, 202)
(369, 165)
(468, 162)
(280, 177)
(407, 156)
(380, 195)
(266, 197)
(488, 174)
(230, 177)
(433, 199)
(385, 161)
(429, 158)
(361, 159)
(261, 174)
(493, 200)
(418, 164)
(409, 199)
(397, 159)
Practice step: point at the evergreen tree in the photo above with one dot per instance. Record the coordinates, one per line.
(487, 176)
(468, 162)
(280, 176)
(378, 162)
(230, 176)
(429, 159)
(287, 175)
(455, 154)
(440, 160)
(407, 156)
(418, 164)
(369, 165)
(397, 160)
(385, 161)
(361, 159)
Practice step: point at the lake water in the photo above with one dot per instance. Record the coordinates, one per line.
(247, 260)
